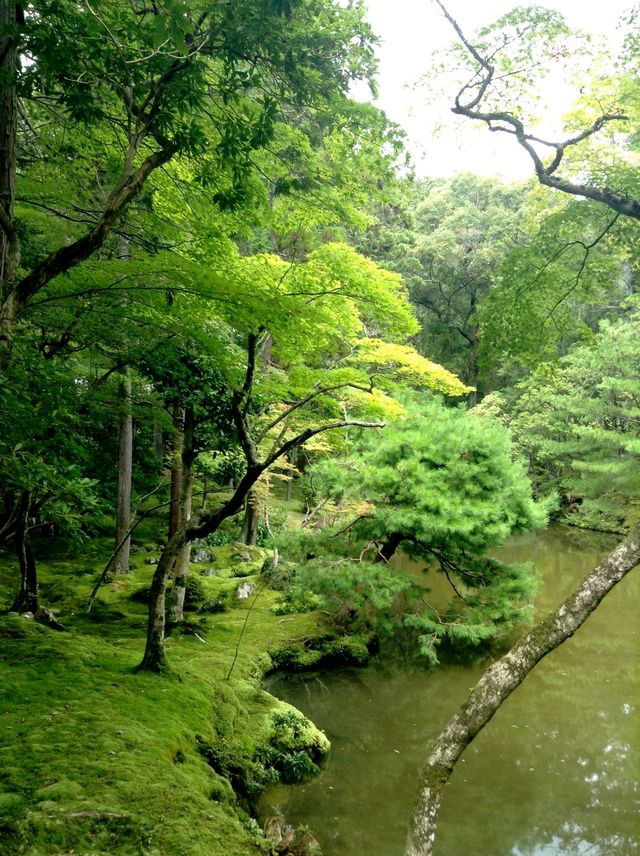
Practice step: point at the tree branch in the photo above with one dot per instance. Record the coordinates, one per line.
(505, 122)
(501, 679)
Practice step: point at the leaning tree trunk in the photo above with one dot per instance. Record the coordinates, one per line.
(181, 569)
(501, 679)
(125, 463)
(26, 599)
(249, 532)
(154, 657)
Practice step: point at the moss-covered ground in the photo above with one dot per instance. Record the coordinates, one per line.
(98, 759)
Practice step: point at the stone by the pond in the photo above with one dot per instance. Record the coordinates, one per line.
(289, 841)
(245, 590)
(201, 555)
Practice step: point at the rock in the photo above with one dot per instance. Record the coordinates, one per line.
(242, 556)
(245, 590)
(200, 555)
(308, 846)
(151, 561)
(46, 616)
(288, 841)
(208, 572)
(28, 615)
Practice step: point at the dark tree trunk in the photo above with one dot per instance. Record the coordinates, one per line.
(181, 568)
(501, 679)
(389, 547)
(249, 533)
(9, 246)
(26, 599)
(125, 462)
(8, 118)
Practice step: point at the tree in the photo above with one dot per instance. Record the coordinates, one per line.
(153, 83)
(501, 679)
(501, 63)
(464, 228)
(447, 238)
(45, 450)
(576, 422)
(440, 484)
(319, 368)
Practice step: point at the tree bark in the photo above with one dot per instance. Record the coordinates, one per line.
(389, 547)
(249, 533)
(181, 568)
(176, 469)
(125, 464)
(501, 679)
(154, 658)
(26, 599)
(9, 245)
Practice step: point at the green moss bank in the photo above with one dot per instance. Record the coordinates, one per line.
(96, 759)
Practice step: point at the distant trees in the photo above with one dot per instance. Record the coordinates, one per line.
(577, 423)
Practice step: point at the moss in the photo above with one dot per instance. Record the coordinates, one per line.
(322, 653)
(94, 754)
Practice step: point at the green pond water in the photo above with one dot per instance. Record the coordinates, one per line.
(556, 771)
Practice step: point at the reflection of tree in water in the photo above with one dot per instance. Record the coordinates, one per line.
(601, 793)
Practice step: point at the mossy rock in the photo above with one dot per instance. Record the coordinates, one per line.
(322, 654)
(296, 658)
(247, 569)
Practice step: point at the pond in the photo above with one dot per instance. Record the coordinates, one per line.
(556, 771)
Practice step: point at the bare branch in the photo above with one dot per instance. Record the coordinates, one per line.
(505, 122)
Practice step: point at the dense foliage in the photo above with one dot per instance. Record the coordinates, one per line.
(442, 486)
(222, 292)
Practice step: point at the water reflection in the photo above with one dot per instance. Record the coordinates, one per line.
(555, 772)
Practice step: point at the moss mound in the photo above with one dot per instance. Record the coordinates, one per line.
(97, 759)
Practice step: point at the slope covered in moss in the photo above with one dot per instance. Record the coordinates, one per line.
(98, 759)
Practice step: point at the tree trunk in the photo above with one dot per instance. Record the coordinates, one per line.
(473, 366)
(501, 679)
(389, 547)
(176, 469)
(158, 441)
(249, 533)
(8, 121)
(26, 599)
(293, 457)
(9, 245)
(154, 659)
(125, 462)
(181, 568)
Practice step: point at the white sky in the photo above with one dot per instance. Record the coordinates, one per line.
(410, 30)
